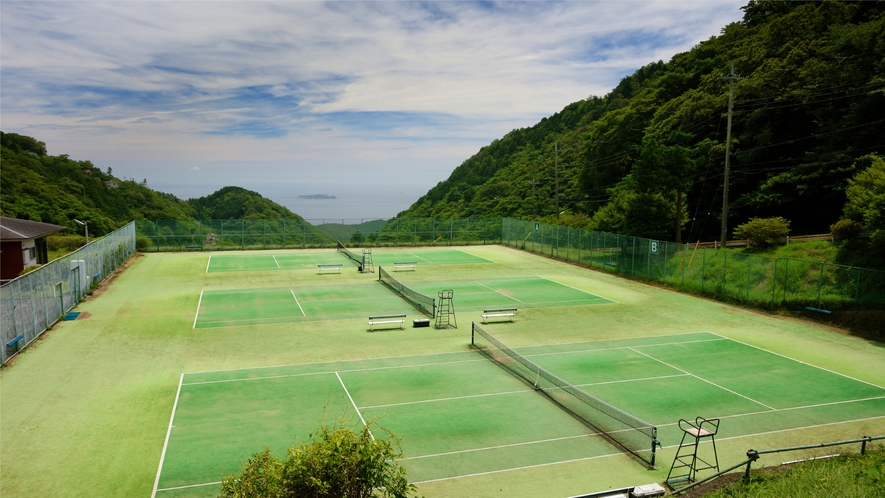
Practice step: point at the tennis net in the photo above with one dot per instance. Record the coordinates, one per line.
(423, 302)
(349, 254)
(627, 431)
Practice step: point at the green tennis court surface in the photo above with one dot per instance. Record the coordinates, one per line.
(239, 307)
(301, 260)
(460, 414)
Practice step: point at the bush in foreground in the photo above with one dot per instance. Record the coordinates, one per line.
(336, 462)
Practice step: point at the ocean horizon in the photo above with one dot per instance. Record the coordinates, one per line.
(352, 203)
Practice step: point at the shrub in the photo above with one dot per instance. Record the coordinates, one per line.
(846, 229)
(68, 243)
(763, 232)
(28, 270)
(336, 462)
(142, 243)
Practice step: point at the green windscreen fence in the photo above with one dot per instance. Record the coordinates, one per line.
(297, 233)
(745, 277)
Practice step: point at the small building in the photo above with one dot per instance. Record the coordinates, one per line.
(112, 183)
(23, 244)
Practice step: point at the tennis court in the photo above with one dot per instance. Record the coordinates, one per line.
(461, 414)
(242, 307)
(308, 260)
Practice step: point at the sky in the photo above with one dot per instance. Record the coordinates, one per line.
(297, 97)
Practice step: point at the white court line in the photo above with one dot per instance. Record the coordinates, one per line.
(296, 302)
(190, 486)
(705, 380)
(793, 408)
(479, 360)
(816, 426)
(207, 263)
(354, 405)
(618, 455)
(275, 260)
(197, 314)
(168, 433)
(520, 468)
(441, 354)
(799, 361)
(512, 445)
(577, 289)
(579, 351)
(419, 257)
(456, 398)
(475, 256)
(493, 290)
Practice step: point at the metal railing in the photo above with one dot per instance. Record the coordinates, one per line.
(753, 455)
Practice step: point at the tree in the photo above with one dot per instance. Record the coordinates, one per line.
(336, 462)
(670, 168)
(866, 197)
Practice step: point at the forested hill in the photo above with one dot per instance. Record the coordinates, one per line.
(57, 189)
(809, 101)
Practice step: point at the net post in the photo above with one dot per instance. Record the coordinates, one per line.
(472, 329)
(654, 444)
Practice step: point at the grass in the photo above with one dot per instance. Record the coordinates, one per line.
(85, 410)
(846, 476)
(817, 250)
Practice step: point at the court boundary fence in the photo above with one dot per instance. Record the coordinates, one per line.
(724, 275)
(33, 302)
(727, 275)
(240, 234)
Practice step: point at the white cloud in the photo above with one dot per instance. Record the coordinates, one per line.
(294, 88)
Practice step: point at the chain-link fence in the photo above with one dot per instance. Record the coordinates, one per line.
(33, 302)
(225, 235)
(770, 282)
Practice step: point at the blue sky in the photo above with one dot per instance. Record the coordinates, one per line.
(197, 95)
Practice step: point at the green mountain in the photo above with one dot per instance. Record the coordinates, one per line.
(57, 189)
(809, 95)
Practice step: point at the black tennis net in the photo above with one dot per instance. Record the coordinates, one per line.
(423, 302)
(627, 431)
(349, 254)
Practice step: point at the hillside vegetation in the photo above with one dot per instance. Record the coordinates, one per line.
(57, 189)
(649, 156)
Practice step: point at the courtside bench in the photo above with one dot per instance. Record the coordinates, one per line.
(374, 321)
(328, 269)
(405, 265)
(498, 313)
(14, 345)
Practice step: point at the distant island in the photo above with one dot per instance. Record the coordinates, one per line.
(317, 196)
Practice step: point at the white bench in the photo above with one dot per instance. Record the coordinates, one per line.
(405, 265)
(386, 320)
(328, 268)
(499, 313)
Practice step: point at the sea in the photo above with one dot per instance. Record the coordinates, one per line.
(352, 204)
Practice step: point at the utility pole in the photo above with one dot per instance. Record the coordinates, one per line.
(731, 79)
(556, 173)
(556, 150)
